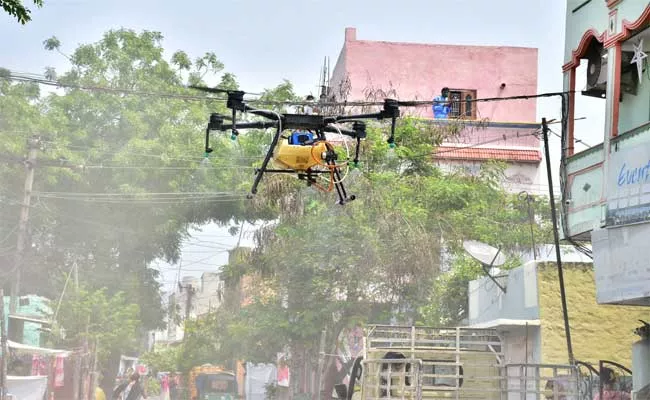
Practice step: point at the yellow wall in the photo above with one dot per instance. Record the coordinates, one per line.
(598, 332)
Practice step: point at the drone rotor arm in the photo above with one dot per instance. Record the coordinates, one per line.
(343, 118)
(250, 125)
(345, 131)
(262, 113)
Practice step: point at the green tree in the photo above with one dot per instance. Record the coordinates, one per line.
(17, 9)
(94, 315)
(378, 258)
(121, 177)
(162, 360)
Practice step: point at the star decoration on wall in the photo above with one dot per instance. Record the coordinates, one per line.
(639, 55)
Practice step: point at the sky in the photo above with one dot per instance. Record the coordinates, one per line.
(263, 42)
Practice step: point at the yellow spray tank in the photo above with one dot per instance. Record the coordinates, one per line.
(299, 157)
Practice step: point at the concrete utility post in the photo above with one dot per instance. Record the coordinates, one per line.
(321, 364)
(33, 145)
(3, 346)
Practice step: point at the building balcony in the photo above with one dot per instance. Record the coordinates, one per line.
(590, 203)
(584, 196)
(628, 192)
(588, 206)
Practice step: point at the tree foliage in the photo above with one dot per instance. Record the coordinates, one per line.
(122, 179)
(111, 321)
(17, 9)
(382, 258)
(121, 176)
(162, 360)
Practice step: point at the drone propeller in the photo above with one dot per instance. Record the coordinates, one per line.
(211, 90)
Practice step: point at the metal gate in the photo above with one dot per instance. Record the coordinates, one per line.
(607, 375)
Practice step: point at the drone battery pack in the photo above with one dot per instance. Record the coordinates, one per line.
(301, 138)
(302, 121)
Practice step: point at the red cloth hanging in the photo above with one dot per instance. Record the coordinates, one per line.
(59, 376)
(39, 365)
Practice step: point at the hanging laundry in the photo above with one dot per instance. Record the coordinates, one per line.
(59, 376)
(35, 365)
(39, 365)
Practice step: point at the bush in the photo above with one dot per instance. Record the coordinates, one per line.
(152, 386)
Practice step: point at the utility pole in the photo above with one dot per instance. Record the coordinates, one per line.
(321, 364)
(32, 144)
(3, 346)
(556, 236)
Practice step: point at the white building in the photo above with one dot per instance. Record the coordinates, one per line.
(192, 298)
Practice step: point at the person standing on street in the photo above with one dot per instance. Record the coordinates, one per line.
(132, 389)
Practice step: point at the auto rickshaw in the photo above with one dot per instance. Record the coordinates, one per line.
(209, 382)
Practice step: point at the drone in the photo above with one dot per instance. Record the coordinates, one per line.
(305, 152)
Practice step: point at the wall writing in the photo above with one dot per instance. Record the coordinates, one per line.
(632, 176)
(628, 189)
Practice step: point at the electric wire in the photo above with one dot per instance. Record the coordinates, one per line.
(155, 202)
(473, 145)
(402, 103)
(582, 142)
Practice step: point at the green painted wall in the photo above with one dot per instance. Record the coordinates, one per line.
(597, 331)
(592, 14)
(38, 306)
(634, 110)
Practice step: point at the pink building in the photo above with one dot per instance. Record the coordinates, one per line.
(372, 70)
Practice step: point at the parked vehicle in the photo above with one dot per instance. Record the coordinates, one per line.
(414, 363)
(210, 382)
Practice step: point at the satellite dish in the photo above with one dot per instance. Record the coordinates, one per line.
(488, 256)
(484, 253)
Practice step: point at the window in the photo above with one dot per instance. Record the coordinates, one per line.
(462, 103)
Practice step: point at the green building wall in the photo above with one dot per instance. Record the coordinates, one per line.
(598, 332)
(37, 307)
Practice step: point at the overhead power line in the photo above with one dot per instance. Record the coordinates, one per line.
(151, 194)
(179, 96)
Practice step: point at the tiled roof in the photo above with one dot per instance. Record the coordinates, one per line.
(483, 153)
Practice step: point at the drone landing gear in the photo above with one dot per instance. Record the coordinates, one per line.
(310, 178)
(265, 163)
(338, 185)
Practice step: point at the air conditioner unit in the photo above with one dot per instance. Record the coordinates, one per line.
(629, 74)
(597, 73)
